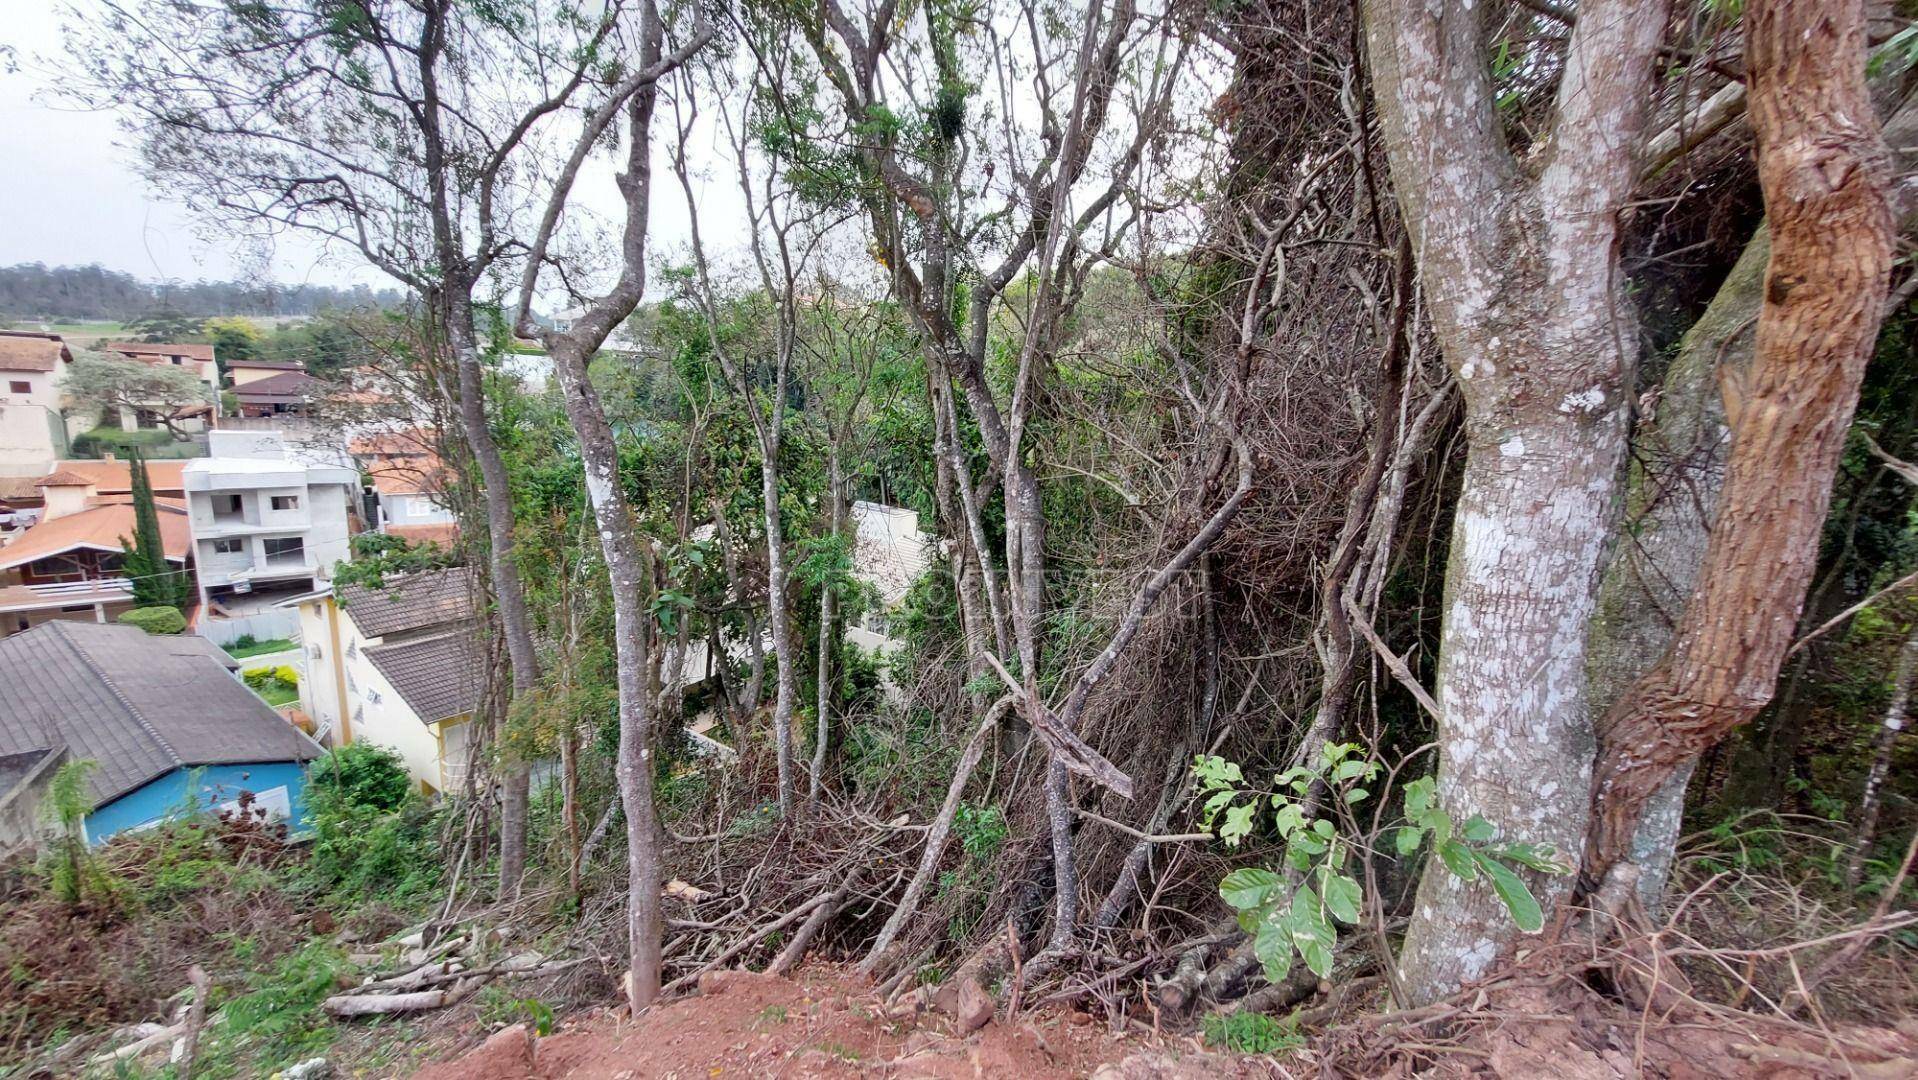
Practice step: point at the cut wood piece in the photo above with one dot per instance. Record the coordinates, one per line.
(346, 1006)
(688, 892)
(151, 1041)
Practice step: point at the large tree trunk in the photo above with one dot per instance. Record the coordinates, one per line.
(1822, 165)
(1523, 280)
(1672, 500)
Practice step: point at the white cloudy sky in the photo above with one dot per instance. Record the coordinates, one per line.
(75, 194)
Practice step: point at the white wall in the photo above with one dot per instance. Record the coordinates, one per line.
(375, 711)
(27, 446)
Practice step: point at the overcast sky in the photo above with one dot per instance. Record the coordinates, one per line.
(74, 193)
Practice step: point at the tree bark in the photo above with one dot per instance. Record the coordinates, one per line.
(1521, 272)
(828, 624)
(1822, 165)
(1671, 502)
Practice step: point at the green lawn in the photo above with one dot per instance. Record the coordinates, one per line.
(259, 648)
(278, 693)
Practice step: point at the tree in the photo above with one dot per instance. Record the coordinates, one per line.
(164, 326)
(1522, 277)
(234, 338)
(401, 131)
(155, 582)
(108, 385)
(1823, 167)
(629, 558)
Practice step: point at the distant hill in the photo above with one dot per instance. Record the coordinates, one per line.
(37, 291)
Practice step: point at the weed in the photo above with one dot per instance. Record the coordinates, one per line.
(1250, 1033)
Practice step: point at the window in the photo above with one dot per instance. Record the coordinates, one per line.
(227, 504)
(284, 548)
(179, 360)
(19, 386)
(286, 502)
(228, 547)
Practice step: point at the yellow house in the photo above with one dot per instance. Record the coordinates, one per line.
(400, 666)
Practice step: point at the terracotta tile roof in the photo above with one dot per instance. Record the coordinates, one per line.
(116, 477)
(407, 474)
(26, 350)
(63, 478)
(18, 489)
(412, 602)
(439, 676)
(138, 705)
(141, 350)
(101, 529)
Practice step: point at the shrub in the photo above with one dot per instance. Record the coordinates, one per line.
(286, 674)
(363, 775)
(245, 641)
(156, 620)
(258, 677)
(1249, 1033)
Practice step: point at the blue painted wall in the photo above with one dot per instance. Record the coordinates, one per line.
(207, 786)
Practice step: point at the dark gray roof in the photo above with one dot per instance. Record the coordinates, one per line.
(412, 602)
(137, 704)
(439, 676)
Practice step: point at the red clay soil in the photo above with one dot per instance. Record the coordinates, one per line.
(825, 1024)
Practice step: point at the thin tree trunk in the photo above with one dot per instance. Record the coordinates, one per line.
(779, 613)
(1896, 715)
(828, 626)
(1822, 166)
(508, 591)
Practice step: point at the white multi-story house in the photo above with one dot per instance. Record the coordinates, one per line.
(33, 434)
(267, 516)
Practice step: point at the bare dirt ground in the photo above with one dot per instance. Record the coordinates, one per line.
(825, 1023)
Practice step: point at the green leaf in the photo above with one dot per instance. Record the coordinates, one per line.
(1418, 796)
(1409, 839)
(1308, 842)
(1289, 819)
(1541, 857)
(1352, 769)
(1458, 858)
(1297, 857)
(1238, 823)
(1478, 830)
(1311, 933)
(1341, 894)
(1323, 828)
(1273, 946)
(1248, 887)
(1518, 899)
(1355, 795)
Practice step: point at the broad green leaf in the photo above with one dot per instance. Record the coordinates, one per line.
(1352, 769)
(1341, 894)
(1289, 819)
(1309, 842)
(1297, 857)
(1238, 823)
(1273, 946)
(1248, 887)
(1518, 899)
(1323, 827)
(1317, 957)
(1478, 830)
(1541, 857)
(1418, 796)
(1458, 859)
(1409, 839)
(1355, 795)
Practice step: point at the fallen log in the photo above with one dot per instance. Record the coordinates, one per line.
(134, 1049)
(347, 1006)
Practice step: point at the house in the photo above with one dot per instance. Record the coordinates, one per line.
(408, 482)
(195, 358)
(280, 393)
(71, 564)
(889, 553)
(244, 372)
(400, 666)
(267, 516)
(164, 720)
(33, 433)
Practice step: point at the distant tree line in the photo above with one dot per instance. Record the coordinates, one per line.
(38, 291)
